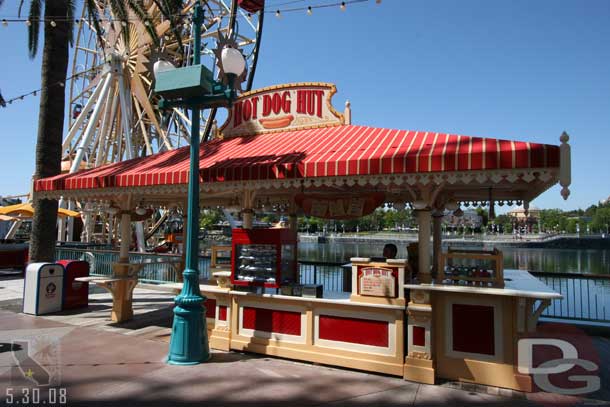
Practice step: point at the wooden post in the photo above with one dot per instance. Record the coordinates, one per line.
(125, 237)
(423, 218)
(247, 218)
(437, 240)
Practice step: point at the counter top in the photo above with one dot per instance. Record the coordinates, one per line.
(331, 297)
(518, 283)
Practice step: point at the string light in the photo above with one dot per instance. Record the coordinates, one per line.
(28, 23)
(278, 12)
(4, 102)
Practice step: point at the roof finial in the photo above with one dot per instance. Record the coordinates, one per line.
(347, 113)
(565, 165)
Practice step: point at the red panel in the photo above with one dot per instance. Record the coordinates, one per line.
(354, 330)
(268, 320)
(473, 329)
(76, 294)
(419, 336)
(210, 308)
(222, 312)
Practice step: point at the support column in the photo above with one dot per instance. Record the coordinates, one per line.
(122, 288)
(437, 240)
(247, 218)
(125, 237)
(423, 219)
(293, 222)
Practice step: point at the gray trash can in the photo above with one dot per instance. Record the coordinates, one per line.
(42, 289)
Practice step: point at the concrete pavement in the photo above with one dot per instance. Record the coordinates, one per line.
(94, 362)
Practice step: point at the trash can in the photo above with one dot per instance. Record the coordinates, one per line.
(76, 293)
(42, 289)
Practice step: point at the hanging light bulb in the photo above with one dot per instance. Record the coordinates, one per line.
(53, 23)
(278, 14)
(4, 22)
(343, 7)
(309, 11)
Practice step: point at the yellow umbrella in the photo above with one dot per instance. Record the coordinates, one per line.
(25, 210)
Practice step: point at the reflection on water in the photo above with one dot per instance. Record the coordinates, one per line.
(548, 260)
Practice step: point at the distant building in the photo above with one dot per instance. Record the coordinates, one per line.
(470, 218)
(524, 221)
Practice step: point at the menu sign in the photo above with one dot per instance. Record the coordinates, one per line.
(342, 206)
(377, 282)
(282, 108)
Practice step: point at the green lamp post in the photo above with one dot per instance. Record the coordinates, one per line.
(193, 87)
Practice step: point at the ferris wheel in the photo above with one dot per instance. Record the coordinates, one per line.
(113, 114)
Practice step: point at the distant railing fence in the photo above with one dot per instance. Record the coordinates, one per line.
(586, 297)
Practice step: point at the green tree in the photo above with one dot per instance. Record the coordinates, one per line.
(209, 217)
(58, 34)
(601, 220)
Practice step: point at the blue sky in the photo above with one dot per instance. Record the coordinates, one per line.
(524, 70)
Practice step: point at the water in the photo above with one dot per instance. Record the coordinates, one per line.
(547, 260)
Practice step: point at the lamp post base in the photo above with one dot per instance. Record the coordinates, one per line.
(188, 344)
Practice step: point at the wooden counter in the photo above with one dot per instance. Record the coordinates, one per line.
(470, 333)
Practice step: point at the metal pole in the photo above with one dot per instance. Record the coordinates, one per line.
(189, 341)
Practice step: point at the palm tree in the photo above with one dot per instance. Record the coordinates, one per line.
(58, 34)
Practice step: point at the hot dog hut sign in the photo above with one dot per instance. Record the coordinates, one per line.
(278, 108)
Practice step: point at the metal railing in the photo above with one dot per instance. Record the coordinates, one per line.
(586, 297)
(157, 268)
(332, 276)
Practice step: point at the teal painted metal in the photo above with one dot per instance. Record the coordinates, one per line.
(189, 341)
(185, 82)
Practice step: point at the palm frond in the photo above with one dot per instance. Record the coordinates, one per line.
(34, 27)
(169, 10)
(20, 6)
(137, 7)
(120, 13)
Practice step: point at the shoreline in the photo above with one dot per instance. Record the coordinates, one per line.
(595, 242)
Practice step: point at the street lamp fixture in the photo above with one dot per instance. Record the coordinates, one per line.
(193, 87)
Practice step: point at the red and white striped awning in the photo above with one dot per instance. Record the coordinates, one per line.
(345, 150)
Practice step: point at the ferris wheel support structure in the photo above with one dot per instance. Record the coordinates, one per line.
(112, 111)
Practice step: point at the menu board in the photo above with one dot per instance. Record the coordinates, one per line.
(377, 282)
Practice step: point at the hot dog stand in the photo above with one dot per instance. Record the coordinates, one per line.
(286, 147)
